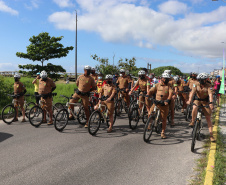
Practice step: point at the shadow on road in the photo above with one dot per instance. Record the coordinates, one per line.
(4, 136)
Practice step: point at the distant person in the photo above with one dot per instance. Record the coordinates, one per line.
(20, 90)
(36, 84)
(115, 78)
(217, 85)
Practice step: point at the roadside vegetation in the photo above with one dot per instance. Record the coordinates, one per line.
(6, 85)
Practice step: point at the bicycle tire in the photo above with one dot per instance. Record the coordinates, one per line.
(158, 125)
(8, 111)
(148, 129)
(28, 108)
(36, 116)
(118, 107)
(81, 116)
(176, 105)
(145, 115)
(133, 119)
(132, 104)
(94, 122)
(187, 113)
(61, 120)
(194, 135)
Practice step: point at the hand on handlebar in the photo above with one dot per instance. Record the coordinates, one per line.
(165, 102)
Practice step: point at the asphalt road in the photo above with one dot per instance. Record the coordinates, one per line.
(42, 155)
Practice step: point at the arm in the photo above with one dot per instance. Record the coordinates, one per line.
(34, 81)
(134, 88)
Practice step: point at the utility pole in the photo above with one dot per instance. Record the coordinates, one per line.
(76, 49)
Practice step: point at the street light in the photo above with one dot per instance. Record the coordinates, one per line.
(76, 49)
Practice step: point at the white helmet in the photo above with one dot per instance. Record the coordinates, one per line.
(176, 78)
(141, 72)
(93, 69)
(122, 71)
(207, 75)
(16, 76)
(87, 68)
(165, 75)
(43, 74)
(108, 77)
(202, 76)
(194, 73)
(167, 71)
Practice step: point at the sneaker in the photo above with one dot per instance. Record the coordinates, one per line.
(86, 126)
(191, 124)
(163, 135)
(212, 139)
(182, 110)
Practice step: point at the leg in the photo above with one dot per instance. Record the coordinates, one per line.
(164, 113)
(194, 114)
(111, 108)
(85, 101)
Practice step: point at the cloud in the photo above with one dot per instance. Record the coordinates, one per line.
(7, 9)
(9, 67)
(123, 21)
(33, 4)
(173, 7)
(64, 3)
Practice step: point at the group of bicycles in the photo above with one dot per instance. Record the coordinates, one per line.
(135, 113)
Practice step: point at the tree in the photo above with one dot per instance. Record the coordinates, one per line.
(105, 68)
(42, 48)
(159, 70)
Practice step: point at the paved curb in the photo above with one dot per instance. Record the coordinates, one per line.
(211, 159)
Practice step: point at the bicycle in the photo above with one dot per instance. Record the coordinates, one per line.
(120, 103)
(136, 113)
(197, 126)
(36, 114)
(62, 117)
(154, 121)
(9, 111)
(98, 116)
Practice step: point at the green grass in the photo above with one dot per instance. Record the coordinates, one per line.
(61, 88)
(220, 161)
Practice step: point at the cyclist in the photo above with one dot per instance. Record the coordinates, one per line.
(193, 80)
(19, 89)
(85, 84)
(163, 94)
(99, 82)
(46, 87)
(183, 86)
(144, 85)
(203, 97)
(123, 83)
(93, 73)
(108, 91)
(115, 78)
(217, 85)
(173, 84)
(36, 84)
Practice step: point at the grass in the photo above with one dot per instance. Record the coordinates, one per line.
(61, 88)
(220, 161)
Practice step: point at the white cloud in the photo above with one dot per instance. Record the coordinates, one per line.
(63, 3)
(197, 34)
(173, 7)
(5, 8)
(33, 4)
(8, 67)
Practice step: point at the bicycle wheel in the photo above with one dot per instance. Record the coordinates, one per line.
(56, 108)
(145, 115)
(94, 122)
(177, 104)
(194, 135)
(132, 105)
(81, 116)
(36, 116)
(61, 120)
(187, 113)
(8, 114)
(148, 129)
(28, 108)
(158, 125)
(133, 118)
(118, 107)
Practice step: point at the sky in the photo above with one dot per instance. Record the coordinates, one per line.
(187, 34)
